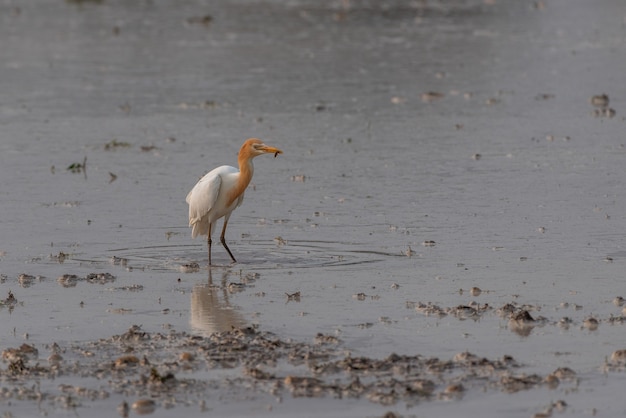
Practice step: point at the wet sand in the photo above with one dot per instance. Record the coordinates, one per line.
(442, 236)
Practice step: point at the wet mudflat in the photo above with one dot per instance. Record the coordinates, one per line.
(443, 235)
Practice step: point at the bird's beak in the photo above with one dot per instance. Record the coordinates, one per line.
(269, 150)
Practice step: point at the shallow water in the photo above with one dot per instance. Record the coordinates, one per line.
(509, 173)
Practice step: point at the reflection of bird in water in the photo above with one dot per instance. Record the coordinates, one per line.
(221, 191)
(211, 313)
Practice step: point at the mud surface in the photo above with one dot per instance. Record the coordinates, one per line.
(444, 234)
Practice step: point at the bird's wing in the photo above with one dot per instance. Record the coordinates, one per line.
(204, 194)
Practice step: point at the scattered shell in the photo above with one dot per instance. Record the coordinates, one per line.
(123, 409)
(304, 386)
(522, 317)
(55, 358)
(600, 100)
(455, 388)
(544, 96)
(144, 406)
(325, 339)
(199, 20)
(552, 381)
(432, 96)
(514, 384)
(120, 311)
(25, 280)
(257, 373)
(618, 356)
(492, 101)
(607, 112)
(115, 144)
(186, 356)
(68, 280)
(118, 261)
(126, 361)
(591, 323)
(24, 353)
(236, 287)
(565, 322)
(475, 291)
(189, 267)
(564, 373)
(293, 296)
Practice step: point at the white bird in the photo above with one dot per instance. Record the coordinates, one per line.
(221, 191)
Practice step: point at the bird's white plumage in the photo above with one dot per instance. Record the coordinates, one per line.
(207, 204)
(220, 191)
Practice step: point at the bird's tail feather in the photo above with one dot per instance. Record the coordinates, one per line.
(199, 227)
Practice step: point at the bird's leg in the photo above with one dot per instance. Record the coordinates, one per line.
(209, 241)
(223, 240)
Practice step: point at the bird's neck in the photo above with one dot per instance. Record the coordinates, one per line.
(246, 169)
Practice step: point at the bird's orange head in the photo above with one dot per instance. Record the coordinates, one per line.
(254, 147)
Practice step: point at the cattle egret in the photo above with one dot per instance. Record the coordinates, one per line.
(220, 192)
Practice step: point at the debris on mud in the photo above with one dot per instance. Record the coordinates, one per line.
(431, 96)
(601, 104)
(9, 302)
(520, 319)
(71, 280)
(152, 370)
(115, 144)
(78, 167)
